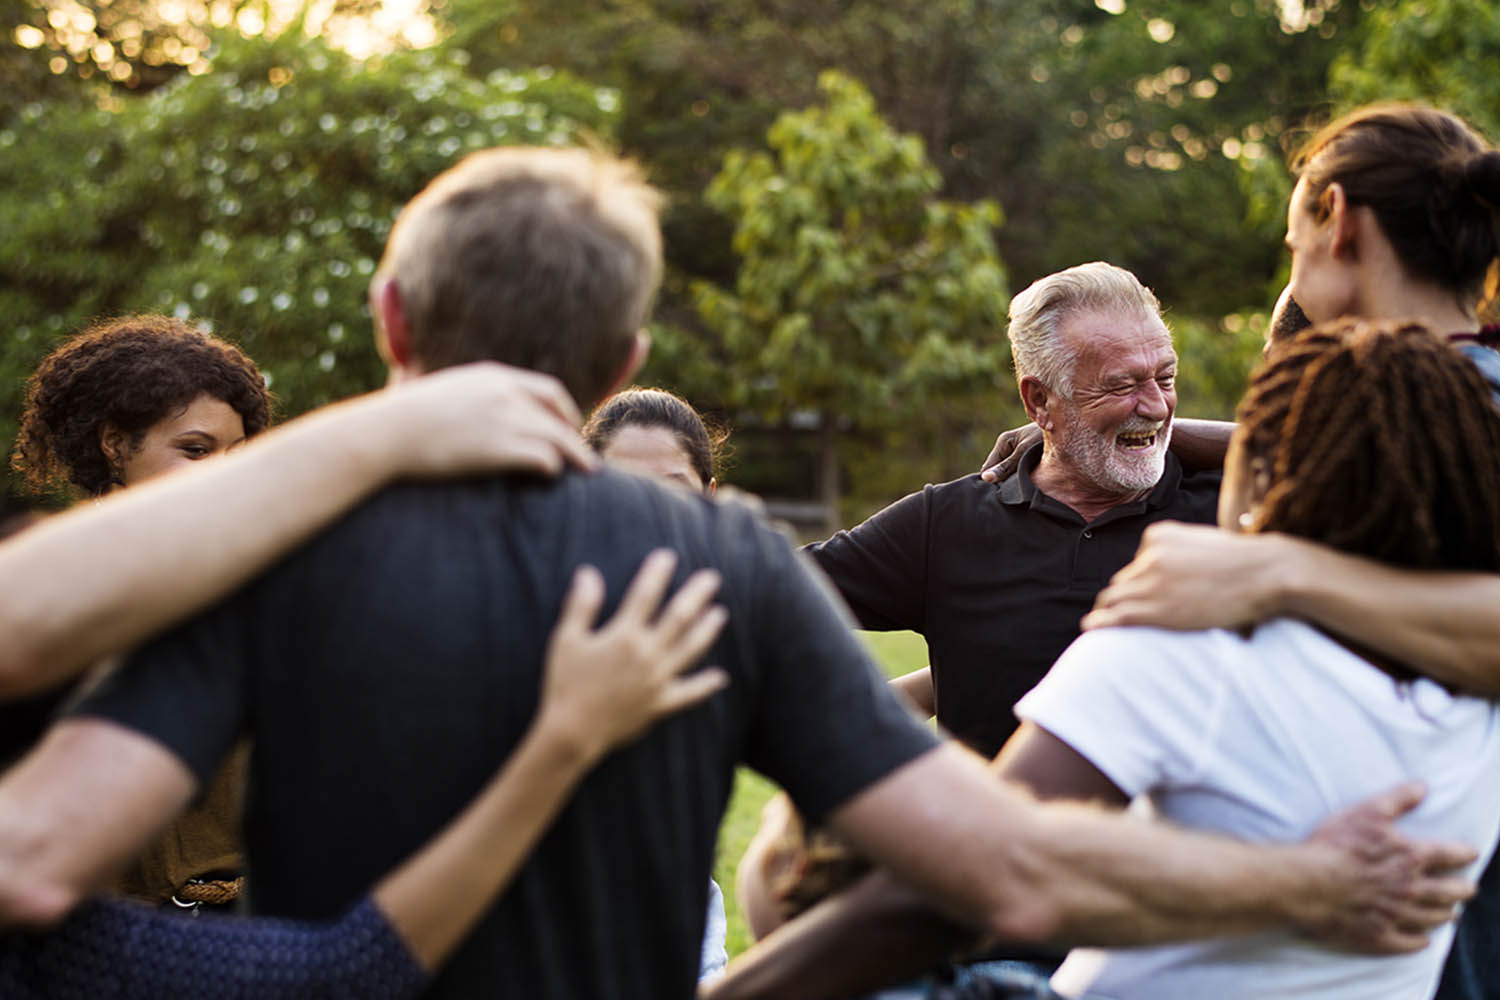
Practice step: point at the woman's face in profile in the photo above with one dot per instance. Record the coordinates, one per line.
(1322, 281)
(206, 427)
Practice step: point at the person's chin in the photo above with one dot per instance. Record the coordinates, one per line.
(1139, 469)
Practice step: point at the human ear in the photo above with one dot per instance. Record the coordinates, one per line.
(1036, 397)
(1335, 211)
(114, 445)
(392, 334)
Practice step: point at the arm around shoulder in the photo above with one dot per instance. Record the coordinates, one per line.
(75, 809)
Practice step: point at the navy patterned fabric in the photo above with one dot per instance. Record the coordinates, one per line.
(118, 950)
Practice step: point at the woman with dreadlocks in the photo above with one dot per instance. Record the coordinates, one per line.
(1258, 735)
(1396, 214)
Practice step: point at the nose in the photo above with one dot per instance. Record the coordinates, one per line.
(1153, 402)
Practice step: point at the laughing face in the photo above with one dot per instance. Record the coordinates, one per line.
(1114, 430)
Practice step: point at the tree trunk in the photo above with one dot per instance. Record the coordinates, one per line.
(828, 470)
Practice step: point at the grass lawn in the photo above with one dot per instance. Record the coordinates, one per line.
(897, 653)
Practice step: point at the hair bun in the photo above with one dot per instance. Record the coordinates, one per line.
(1482, 177)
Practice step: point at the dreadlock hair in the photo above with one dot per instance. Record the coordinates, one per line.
(1379, 440)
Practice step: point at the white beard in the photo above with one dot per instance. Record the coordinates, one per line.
(1101, 460)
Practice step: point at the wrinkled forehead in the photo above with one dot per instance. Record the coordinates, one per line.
(1114, 340)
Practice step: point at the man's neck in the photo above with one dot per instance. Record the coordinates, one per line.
(1067, 486)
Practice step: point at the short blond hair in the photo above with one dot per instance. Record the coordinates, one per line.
(543, 258)
(1037, 312)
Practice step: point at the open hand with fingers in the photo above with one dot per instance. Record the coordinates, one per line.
(1003, 460)
(604, 686)
(1196, 576)
(484, 417)
(1383, 892)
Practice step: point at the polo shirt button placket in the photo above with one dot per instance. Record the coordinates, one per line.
(1088, 533)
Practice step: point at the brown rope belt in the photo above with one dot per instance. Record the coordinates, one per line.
(210, 893)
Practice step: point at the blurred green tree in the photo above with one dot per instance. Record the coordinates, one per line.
(1443, 52)
(254, 199)
(861, 300)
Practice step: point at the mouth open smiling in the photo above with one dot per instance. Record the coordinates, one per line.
(1137, 440)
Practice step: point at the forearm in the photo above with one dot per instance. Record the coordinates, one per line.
(1201, 444)
(988, 855)
(104, 576)
(916, 689)
(75, 810)
(1112, 880)
(1444, 625)
(898, 937)
(437, 895)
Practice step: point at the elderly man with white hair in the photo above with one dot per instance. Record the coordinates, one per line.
(997, 576)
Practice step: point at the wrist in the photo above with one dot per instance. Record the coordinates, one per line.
(569, 741)
(369, 434)
(1285, 576)
(1304, 887)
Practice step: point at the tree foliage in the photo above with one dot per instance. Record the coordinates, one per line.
(1442, 52)
(254, 199)
(860, 297)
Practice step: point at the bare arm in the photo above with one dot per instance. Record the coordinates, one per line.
(916, 688)
(76, 809)
(1075, 874)
(1445, 625)
(1200, 444)
(104, 576)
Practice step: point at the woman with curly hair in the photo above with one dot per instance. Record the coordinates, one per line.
(129, 399)
(123, 402)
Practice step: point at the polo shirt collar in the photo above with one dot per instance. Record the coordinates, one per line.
(1019, 489)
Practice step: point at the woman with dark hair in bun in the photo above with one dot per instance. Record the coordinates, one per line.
(657, 433)
(1396, 215)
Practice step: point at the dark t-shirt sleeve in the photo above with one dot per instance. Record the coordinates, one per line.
(880, 566)
(187, 689)
(825, 725)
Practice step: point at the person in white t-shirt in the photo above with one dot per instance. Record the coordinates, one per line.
(1380, 441)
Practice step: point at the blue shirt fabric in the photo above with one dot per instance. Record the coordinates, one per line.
(112, 949)
(1472, 971)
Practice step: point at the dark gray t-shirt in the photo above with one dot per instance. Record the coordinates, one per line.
(388, 668)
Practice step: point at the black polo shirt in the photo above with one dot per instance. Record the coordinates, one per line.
(996, 578)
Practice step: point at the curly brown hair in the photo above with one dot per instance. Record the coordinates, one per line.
(130, 372)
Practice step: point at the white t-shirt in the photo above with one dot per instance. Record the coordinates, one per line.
(1261, 739)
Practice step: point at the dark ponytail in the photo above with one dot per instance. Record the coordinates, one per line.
(1432, 182)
